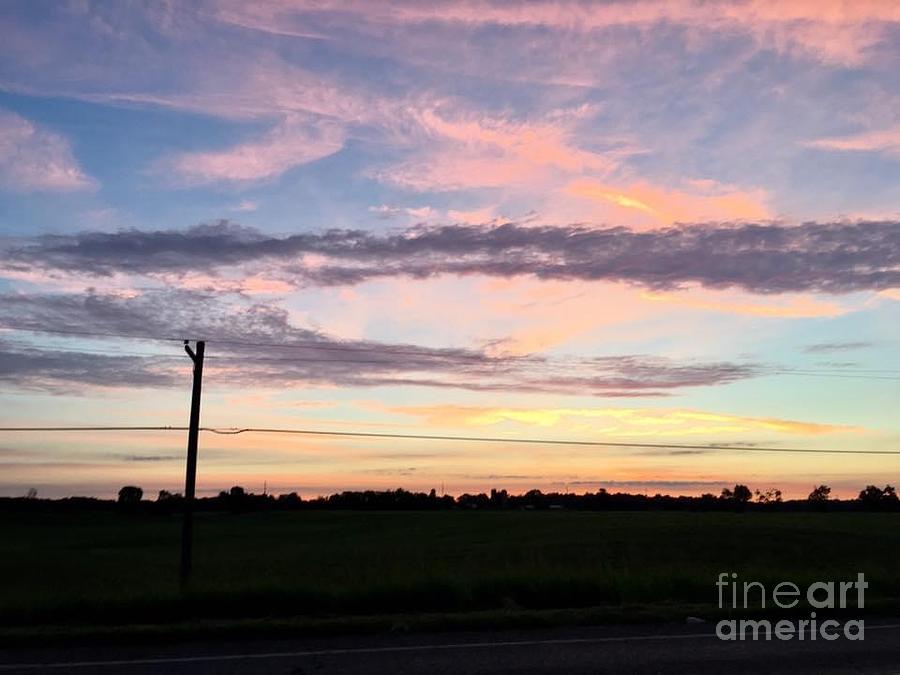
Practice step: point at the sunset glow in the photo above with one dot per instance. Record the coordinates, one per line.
(622, 221)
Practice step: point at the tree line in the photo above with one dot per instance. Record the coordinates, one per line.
(237, 500)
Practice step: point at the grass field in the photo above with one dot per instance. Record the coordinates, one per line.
(109, 568)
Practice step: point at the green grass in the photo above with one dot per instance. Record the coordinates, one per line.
(116, 569)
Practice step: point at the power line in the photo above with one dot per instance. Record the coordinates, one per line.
(464, 439)
(542, 441)
(97, 428)
(848, 375)
(52, 349)
(84, 333)
(855, 370)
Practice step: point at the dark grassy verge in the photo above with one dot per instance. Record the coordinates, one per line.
(354, 569)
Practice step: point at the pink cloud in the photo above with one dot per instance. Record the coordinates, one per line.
(247, 284)
(473, 216)
(459, 151)
(836, 31)
(883, 140)
(387, 211)
(292, 143)
(518, 317)
(542, 315)
(245, 205)
(36, 159)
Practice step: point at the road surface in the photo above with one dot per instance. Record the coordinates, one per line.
(607, 649)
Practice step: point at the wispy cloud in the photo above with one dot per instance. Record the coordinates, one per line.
(829, 30)
(831, 347)
(439, 137)
(461, 151)
(387, 211)
(245, 205)
(882, 140)
(36, 159)
(650, 485)
(292, 143)
(780, 306)
(152, 458)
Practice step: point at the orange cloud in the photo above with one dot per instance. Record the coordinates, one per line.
(786, 307)
(618, 422)
(662, 205)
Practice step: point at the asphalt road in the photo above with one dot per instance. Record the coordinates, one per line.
(607, 649)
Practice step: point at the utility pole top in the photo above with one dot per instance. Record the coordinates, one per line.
(190, 352)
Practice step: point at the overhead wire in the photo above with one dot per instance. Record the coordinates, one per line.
(233, 431)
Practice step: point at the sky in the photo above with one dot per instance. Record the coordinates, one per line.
(654, 222)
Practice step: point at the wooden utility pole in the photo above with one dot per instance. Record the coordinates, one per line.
(190, 476)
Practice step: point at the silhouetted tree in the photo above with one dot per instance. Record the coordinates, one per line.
(130, 495)
(31, 493)
(129, 498)
(499, 498)
(820, 493)
(742, 494)
(770, 496)
(873, 497)
(290, 500)
(479, 501)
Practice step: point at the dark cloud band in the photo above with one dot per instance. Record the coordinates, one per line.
(251, 344)
(836, 257)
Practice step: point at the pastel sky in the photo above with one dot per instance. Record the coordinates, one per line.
(664, 222)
